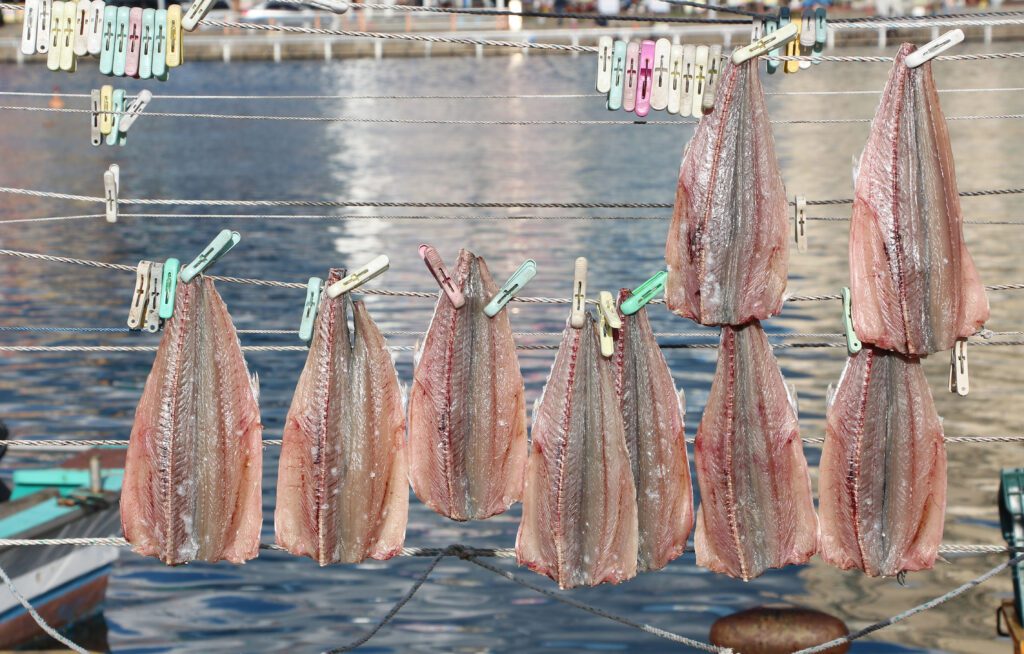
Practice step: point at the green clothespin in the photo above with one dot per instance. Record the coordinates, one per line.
(1011, 519)
(520, 278)
(853, 344)
(168, 287)
(115, 136)
(217, 248)
(313, 290)
(120, 42)
(644, 293)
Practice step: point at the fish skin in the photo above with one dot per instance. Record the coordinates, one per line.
(467, 409)
(883, 468)
(652, 414)
(756, 510)
(193, 473)
(914, 285)
(342, 486)
(727, 246)
(579, 523)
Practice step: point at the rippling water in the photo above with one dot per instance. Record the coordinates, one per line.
(280, 603)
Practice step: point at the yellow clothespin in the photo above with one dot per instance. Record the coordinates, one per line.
(609, 320)
(578, 315)
(793, 50)
(106, 107)
(355, 279)
(800, 223)
(959, 381)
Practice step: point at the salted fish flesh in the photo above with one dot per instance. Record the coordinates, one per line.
(342, 484)
(883, 468)
(579, 523)
(726, 248)
(756, 510)
(652, 414)
(193, 473)
(915, 288)
(467, 411)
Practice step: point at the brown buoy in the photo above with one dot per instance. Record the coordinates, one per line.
(778, 630)
(56, 102)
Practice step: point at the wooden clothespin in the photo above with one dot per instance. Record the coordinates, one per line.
(959, 380)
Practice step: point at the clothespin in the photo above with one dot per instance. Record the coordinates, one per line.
(578, 314)
(378, 266)
(645, 84)
(168, 287)
(629, 92)
(686, 93)
(30, 27)
(309, 310)
(800, 223)
(520, 278)
(106, 106)
(68, 62)
(217, 248)
(793, 50)
(959, 381)
(618, 81)
(808, 35)
(140, 297)
(196, 13)
(435, 264)
(81, 39)
(159, 70)
(605, 45)
(820, 33)
(132, 112)
(55, 31)
(605, 336)
(131, 64)
(108, 42)
(121, 40)
(153, 304)
(853, 344)
(659, 93)
(333, 6)
(933, 49)
(95, 137)
(770, 42)
(644, 293)
(175, 41)
(714, 72)
(44, 25)
(675, 88)
(757, 29)
(606, 306)
(700, 75)
(94, 39)
(146, 47)
(117, 112)
(111, 189)
(783, 21)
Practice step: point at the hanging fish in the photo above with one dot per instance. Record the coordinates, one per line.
(467, 412)
(756, 510)
(192, 482)
(915, 287)
(883, 468)
(579, 523)
(653, 418)
(342, 485)
(726, 249)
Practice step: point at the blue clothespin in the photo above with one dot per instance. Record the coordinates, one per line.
(618, 80)
(108, 40)
(355, 279)
(148, 41)
(309, 310)
(217, 248)
(820, 33)
(520, 278)
(159, 68)
(169, 287)
(644, 293)
(116, 137)
(853, 344)
(771, 25)
(121, 40)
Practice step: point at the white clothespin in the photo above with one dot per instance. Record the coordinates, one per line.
(132, 111)
(94, 39)
(153, 321)
(767, 43)
(715, 65)
(675, 89)
(609, 319)
(800, 223)
(30, 28)
(43, 29)
(111, 190)
(95, 137)
(604, 64)
(808, 35)
(333, 6)
(700, 75)
(853, 344)
(68, 61)
(662, 81)
(140, 297)
(53, 35)
(959, 381)
(196, 13)
(83, 14)
(578, 315)
(686, 91)
(933, 49)
(354, 280)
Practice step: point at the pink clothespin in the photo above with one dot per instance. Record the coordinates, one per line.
(131, 64)
(645, 85)
(436, 267)
(632, 76)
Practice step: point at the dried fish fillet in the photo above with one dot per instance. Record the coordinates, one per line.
(915, 287)
(579, 523)
(192, 483)
(726, 249)
(883, 468)
(756, 509)
(653, 418)
(342, 485)
(467, 412)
